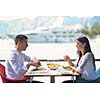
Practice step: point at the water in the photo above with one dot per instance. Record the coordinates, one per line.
(47, 50)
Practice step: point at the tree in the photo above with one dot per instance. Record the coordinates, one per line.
(95, 29)
(92, 31)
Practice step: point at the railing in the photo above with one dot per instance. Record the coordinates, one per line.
(53, 60)
(2, 60)
(60, 60)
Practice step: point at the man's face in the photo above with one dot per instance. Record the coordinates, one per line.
(24, 45)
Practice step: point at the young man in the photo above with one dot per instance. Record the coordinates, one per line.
(15, 68)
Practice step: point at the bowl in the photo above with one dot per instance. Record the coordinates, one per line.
(52, 66)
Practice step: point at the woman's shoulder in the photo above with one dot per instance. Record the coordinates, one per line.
(88, 54)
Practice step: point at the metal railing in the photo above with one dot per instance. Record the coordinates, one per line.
(60, 60)
(53, 60)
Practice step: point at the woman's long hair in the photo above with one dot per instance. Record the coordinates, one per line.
(87, 48)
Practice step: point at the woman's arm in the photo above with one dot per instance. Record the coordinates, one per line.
(86, 58)
(67, 58)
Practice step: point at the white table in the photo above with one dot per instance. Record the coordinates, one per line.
(50, 73)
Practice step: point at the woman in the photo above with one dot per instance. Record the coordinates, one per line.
(85, 64)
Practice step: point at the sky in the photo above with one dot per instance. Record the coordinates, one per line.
(32, 17)
(49, 7)
(15, 17)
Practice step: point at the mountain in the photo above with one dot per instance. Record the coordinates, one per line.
(17, 25)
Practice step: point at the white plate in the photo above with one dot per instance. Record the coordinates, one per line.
(63, 71)
(37, 72)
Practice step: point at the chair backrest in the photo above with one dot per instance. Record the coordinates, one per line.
(2, 71)
(5, 79)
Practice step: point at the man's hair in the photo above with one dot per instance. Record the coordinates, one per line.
(20, 38)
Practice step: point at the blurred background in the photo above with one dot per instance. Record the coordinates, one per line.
(50, 37)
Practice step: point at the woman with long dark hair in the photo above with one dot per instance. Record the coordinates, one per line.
(85, 64)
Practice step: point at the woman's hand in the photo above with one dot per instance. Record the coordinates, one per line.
(74, 70)
(66, 58)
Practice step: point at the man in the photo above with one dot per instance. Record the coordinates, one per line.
(15, 68)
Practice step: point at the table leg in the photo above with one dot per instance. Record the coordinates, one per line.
(31, 79)
(73, 79)
(52, 79)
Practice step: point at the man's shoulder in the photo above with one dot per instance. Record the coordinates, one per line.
(14, 52)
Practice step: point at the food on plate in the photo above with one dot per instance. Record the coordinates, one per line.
(39, 69)
(67, 67)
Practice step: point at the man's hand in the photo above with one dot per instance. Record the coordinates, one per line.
(33, 64)
(36, 61)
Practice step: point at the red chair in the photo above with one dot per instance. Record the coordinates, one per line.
(7, 80)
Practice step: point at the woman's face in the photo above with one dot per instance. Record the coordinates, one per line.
(80, 46)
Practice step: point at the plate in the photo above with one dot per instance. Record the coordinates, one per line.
(39, 72)
(63, 71)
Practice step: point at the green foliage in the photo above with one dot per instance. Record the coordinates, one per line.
(85, 31)
(95, 29)
(92, 31)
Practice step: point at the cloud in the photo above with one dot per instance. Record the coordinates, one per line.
(15, 17)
